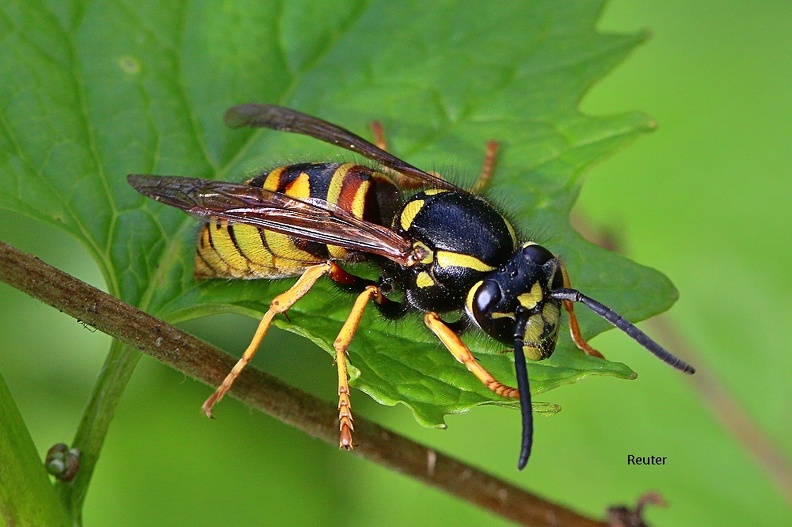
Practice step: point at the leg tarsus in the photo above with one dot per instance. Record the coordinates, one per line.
(341, 345)
(461, 352)
(345, 421)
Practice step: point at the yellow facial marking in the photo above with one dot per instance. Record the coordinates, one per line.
(451, 259)
(531, 298)
(532, 353)
(409, 213)
(551, 314)
(534, 329)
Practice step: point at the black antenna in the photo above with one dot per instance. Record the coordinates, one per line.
(523, 388)
(623, 324)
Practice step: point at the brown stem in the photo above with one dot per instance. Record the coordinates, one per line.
(206, 363)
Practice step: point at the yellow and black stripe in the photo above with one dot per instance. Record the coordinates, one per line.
(248, 252)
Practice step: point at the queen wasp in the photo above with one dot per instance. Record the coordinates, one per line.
(442, 250)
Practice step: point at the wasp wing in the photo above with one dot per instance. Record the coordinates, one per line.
(310, 219)
(287, 120)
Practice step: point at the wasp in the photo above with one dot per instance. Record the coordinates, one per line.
(443, 251)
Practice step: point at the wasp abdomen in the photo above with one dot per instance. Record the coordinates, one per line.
(234, 250)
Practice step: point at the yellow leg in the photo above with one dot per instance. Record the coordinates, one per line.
(341, 344)
(574, 327)
(487, 169)
(280, 304)
(461, 352)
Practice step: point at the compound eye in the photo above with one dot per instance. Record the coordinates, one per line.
(537, 254)
(487, 296)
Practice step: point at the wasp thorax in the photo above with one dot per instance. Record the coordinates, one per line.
(520, 285)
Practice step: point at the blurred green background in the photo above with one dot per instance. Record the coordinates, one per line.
(705, 199)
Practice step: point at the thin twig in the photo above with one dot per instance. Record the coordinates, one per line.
(95, 422)
(206, 363)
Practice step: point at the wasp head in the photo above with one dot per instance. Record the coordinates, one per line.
(520, 304)
(520, 290)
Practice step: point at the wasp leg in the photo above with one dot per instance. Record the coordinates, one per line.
(379, 135)
(341, 344)
(574, 327)
(400, 179)
(279, 304)
(487, 169)
(367, 291)
(461, 352)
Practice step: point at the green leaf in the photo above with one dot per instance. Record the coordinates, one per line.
(27, 498)
(109, 89)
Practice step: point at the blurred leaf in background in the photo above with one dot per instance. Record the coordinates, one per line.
(707, 200)
(150, 100)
